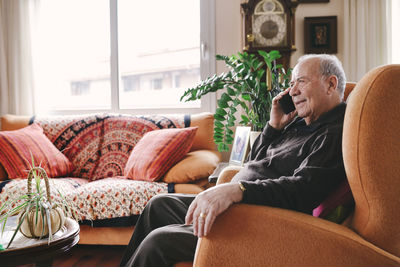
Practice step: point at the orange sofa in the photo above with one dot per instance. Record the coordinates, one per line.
(248, 235)
(199, 163)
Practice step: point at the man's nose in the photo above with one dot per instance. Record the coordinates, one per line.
(293, 90)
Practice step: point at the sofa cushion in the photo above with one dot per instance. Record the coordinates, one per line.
(19, 146)
(98, 200)
(194, 166)
(157, 152)
(11, 122)
(3, 174)
(204, 138)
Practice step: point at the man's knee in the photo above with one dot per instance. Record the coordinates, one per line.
(165, 202)
(157, 240)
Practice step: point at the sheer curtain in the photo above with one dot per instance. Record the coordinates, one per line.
(16, 80)
(366, 36)
(395, 36)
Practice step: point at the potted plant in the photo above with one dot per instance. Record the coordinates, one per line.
(250, 83)
(38, 215)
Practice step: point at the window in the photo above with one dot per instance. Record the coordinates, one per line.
(122, 55)
(176, 80)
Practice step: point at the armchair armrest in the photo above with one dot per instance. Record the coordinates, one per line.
(227, 174)
(249, 235)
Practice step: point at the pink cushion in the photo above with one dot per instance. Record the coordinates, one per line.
(17, 146)
(157, 152)
(340, 197)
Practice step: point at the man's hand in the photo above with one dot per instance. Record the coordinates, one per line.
(209, 204)
(278, 119)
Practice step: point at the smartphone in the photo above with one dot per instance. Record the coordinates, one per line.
(287, 104)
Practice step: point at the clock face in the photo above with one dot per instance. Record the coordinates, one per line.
(269, 30)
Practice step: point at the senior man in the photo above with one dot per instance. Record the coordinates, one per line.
(294, 164)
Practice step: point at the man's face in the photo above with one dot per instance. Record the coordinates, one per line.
(308, 90)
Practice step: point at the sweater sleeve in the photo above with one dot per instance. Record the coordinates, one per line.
(263, 140)
(317, 175)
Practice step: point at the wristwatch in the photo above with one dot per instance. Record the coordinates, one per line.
(241, 186)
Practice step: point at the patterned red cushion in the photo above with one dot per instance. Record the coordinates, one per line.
(17, 146)
(157, 152)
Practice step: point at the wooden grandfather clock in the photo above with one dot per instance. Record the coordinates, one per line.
(269, 25)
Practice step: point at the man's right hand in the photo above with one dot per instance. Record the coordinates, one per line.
(278, 119)
(209, 204)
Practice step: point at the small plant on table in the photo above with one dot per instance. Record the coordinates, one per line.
(38, 215)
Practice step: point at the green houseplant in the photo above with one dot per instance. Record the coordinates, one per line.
(38, 215)
(251, 83)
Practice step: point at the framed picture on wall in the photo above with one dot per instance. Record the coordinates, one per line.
(240, 144)
(320, 35)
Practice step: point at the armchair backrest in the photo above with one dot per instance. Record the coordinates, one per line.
(371, 154)
(349, 88)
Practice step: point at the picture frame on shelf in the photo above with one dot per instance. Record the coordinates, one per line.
(240, 145)
(320, 35)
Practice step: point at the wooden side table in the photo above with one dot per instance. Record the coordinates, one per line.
(26, 250)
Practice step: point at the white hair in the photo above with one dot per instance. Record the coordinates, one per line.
(329, 65)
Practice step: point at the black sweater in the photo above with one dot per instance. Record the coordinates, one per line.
(298, 167)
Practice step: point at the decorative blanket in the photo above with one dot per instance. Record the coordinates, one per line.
(103, 199)
(99, 145)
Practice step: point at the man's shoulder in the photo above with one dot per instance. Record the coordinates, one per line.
(334, 118)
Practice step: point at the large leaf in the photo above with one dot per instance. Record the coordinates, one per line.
(245, 119)
(231, 91)
(229, 139)
(219, 117)
(246, 97)
(218, 123)
(221, 111)
(222, 103)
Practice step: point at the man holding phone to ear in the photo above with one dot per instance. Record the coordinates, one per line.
(294, 164)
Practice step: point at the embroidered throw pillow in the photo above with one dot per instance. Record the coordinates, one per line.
(19, 146)
(157, 152)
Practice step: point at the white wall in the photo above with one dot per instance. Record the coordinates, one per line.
(229, 29)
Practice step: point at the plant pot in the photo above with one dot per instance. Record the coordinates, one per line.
(33, 227)
(36, 222)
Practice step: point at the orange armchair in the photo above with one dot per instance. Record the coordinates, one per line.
(249, 235)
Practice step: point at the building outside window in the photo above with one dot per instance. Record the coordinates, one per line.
(80, 88)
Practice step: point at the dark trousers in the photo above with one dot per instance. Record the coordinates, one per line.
(161, 238)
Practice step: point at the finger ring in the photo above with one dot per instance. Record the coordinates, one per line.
(203, 215)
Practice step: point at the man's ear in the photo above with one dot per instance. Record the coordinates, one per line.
(332, 83)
